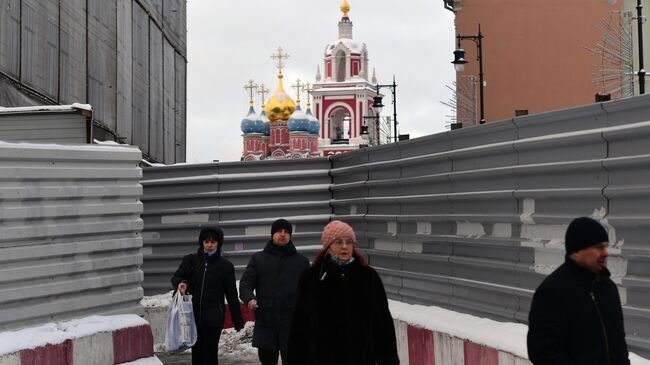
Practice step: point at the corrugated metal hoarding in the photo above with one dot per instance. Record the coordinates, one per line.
(470, 220)
(243, 199)
(70, 242)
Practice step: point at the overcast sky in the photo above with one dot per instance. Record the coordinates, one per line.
(230, 42)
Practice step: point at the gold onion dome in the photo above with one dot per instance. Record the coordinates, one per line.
(280, 106)
(345, 8)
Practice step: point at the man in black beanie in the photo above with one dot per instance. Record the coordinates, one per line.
(576, 316)
(268, 286)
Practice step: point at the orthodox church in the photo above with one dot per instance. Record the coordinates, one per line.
(343, 118)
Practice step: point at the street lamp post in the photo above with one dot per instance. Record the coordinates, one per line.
(640, 20)
(460, 61)
(377, 105)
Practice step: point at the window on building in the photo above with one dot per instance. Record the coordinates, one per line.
(340, 66)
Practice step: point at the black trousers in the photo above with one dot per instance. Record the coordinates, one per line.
(270, 357)
(205, 350)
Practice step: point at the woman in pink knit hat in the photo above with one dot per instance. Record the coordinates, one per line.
(341, 315)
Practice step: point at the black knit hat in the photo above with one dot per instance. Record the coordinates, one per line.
(279, 224)
(584, 232)
(211, 232)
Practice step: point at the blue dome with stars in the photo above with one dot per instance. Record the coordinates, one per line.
(252, 123)
(266, 129)
(298, 121)
(314, 124)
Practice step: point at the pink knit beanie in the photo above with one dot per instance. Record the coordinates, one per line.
(337, 229)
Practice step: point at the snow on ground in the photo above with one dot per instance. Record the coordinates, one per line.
(57, 332)
(238, 343)
(148, 361)
(232, 345)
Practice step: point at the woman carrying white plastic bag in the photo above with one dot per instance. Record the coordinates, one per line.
(181, 327)
(208, 276)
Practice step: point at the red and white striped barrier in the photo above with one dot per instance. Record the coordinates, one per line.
(436, 336)
(420, 346)
(100, 340)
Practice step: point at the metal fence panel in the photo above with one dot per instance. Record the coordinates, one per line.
(40, 46)
(124, 128)
(156, 138)
(102, 58)
(174, 22)
(63, 127)
(169, 88)
(140, 79)
(180, 130)
(10, 38)
(70, 243)
(72, 83)
(243, 198)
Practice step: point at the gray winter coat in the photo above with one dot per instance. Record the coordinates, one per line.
(273, 273)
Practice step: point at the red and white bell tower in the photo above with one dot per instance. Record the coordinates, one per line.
(343, 96)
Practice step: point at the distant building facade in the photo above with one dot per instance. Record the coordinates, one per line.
(126, 58)
(342, 120)
(534, 55)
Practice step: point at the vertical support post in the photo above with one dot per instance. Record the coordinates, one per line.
(639, 19)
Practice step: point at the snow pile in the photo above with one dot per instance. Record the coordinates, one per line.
(58, 332)
(238, 343)
(155, 301)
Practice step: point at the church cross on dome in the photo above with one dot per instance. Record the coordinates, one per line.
(308, 88)
(299, 87)
(280, 56)
(262, 90)
(250, 86)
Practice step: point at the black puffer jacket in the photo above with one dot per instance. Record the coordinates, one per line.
(576, 318)
(208, 283)
(273, 273)
(343, 319)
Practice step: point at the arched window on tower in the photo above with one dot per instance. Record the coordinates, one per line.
(340, 66)
(340, 125)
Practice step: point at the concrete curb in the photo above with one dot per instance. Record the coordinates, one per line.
(103, 348)
(420, 346)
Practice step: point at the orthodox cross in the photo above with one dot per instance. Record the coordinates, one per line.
(307, 88)
(299, 87)
(250, 87)
(280, 56)
(262, 90)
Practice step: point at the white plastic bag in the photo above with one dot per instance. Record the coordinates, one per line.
(181, 328)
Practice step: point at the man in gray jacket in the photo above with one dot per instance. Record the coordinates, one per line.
(268, 286)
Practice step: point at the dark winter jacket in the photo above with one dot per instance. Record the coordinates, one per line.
(273, 273)
(576, 318)
(343, 319)
(208, 283)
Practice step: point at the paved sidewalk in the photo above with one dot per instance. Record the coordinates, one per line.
(185, 358)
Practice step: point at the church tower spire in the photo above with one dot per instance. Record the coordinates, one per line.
(345, 25)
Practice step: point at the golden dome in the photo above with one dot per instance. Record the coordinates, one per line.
(345, 8)
(280, 106)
